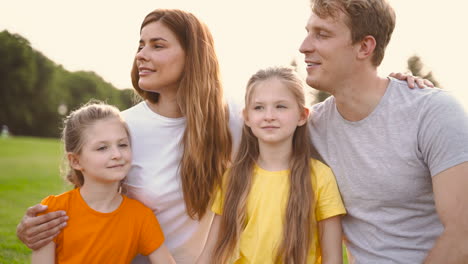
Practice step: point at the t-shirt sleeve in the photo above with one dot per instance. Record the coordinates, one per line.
(328, 199)
(443, 132)
(152, 236)
(52, 206)
(220, 193)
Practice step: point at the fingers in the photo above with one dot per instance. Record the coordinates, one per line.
(37, 230)
(428, 83)
(41, 243)
(47, 228)
(34, 210)
(410, 79)
(420, 83)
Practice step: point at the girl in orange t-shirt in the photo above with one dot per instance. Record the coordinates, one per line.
(104, 226)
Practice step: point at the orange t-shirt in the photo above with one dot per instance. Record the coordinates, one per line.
(94, 237)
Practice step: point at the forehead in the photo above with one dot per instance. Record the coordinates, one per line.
(157, 29)
(271, 89)
(103, 129)
(336, 22)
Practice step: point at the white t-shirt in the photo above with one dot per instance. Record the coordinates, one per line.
(154, 179)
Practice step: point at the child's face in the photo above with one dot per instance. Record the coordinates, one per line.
(106, 154)
(273, 112)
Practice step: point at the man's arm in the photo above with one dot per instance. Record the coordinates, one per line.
(451, 199)
(38, 231)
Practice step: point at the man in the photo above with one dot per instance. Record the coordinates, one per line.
(400, 156)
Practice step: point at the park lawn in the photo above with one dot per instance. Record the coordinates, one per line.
(29, 171)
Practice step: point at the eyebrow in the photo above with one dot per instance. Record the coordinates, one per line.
(275, 102)
(154, 40)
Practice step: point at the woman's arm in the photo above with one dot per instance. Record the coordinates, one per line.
(161, 256)
(210, 245)
(331, 239)
(44, 255)
(413, 81)
(38, 231)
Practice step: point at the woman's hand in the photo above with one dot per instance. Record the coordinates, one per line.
(411, 80)
(37, 231)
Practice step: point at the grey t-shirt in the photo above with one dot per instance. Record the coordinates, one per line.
(383, 166)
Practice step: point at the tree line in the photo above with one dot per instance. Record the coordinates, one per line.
(36, 93)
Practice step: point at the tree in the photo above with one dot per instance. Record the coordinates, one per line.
(416, 66)
(33, 89)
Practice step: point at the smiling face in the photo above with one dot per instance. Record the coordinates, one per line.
(160, 59)
(273, 112)
(329, 53)
(106, 154)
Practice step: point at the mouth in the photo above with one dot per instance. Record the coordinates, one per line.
(312, 64)
(116, 166)
(270, 127)
(142, 71)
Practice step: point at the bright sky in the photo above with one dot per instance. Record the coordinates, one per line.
(102, 36)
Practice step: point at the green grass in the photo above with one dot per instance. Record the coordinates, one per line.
(29, 171)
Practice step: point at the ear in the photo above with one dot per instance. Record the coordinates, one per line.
(74, 161)
(366, 47)
(246, 117)
(304, 116)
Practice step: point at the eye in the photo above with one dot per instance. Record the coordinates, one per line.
(158, 46)
(123, 145)
(281, 106)
(102, 148)
(258, 107)
(321, 35)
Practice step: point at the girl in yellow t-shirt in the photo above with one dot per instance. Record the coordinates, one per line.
(276, 205)
(104, 226)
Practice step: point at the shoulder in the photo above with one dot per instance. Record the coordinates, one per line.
(59, 202)
(319, 167)
(134, 110)
(321, 106)
(322, 110)
(321, 173)
(402, 92)
(136, 206)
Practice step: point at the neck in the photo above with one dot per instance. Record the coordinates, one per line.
(275, 157)
(166, 106)
(360, 94)
(103, 198)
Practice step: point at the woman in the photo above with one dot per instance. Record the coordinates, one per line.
(180, 133)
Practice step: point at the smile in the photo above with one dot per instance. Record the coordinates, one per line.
(145, 71)
(116, 166)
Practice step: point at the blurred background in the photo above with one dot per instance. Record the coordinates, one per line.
(56, 55)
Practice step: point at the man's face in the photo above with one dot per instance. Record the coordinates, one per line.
(329, 53)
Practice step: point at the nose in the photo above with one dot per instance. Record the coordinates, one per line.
(269, 114)
(141, 54)
(307, 45)
(116, 153)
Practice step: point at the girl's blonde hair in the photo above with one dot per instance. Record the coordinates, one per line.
(299, 216)
(73, 132)
(207, 140)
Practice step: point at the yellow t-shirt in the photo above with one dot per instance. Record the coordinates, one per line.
(266, 207)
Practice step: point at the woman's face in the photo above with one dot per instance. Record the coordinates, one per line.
(160, 59)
